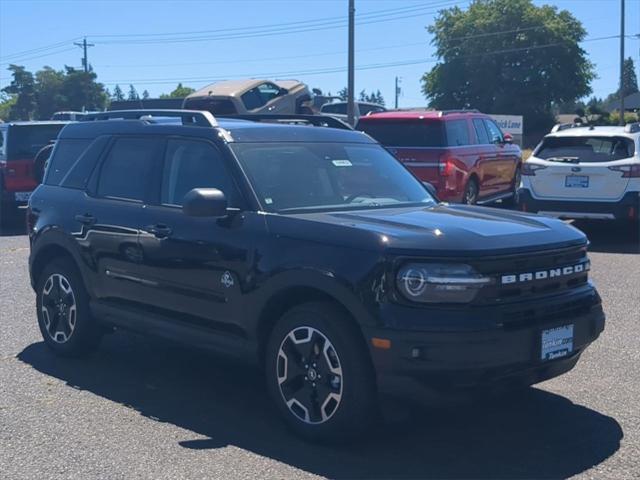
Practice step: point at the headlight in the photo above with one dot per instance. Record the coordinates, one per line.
(440, 282)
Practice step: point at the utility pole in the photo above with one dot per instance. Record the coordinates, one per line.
(84, 45)
(351, 67)
(621, 62)
(398, 80)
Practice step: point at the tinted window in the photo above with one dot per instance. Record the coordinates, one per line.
(334, 108)
(269, 91)
(405, 133)
(457, 133)
(495, 135)
(300, 175)
(585, 149)
(481, 132)
(188, 165)
(126, 168)
(217, 106)
(26, 140)
(65, 155)
(252, 99)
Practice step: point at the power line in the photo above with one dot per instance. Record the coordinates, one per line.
(38, 49)
(327, 70)
(273, 31)
(374, 14)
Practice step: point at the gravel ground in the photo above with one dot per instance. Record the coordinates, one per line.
(142, 408)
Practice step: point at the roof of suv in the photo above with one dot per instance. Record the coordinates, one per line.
(236, 130)
(587, 131)
(420, 114)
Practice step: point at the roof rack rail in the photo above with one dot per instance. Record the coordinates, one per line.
(297, 119)
(565, 126)
(633, 127)
(463, 110)
(189, 117)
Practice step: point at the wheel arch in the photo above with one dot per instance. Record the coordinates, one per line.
(46, 255)
(287, 298)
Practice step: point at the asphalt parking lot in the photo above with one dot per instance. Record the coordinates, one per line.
(142, 408)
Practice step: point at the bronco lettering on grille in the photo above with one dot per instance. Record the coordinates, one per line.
(545, 274)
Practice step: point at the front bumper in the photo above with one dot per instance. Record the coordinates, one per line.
(627, 208)
(484, 348)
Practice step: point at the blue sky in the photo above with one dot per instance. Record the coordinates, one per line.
(238, 38)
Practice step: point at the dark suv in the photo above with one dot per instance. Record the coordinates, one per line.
(308, 250)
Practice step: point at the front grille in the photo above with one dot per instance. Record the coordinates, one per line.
(528, 266)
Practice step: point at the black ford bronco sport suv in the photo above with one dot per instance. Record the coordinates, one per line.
(306, 249)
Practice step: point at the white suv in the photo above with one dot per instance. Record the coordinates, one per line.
(584, 172)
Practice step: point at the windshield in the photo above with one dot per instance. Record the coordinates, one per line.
(325, 176)
(409, 133)
(26, 140)
(585, 149)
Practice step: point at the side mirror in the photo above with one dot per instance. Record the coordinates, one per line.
(204, 202)
(432, 190)
(507, 138)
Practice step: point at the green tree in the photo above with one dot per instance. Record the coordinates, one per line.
(23, 87)
(117, 96)
(6, 102)
(133, 94)
(343, 94)
(145, 95)
(629, 78)
(508, 56)
(49, 96)
(82, 91)
(179, 92)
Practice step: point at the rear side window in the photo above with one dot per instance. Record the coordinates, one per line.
(585, 149)
(457, 133)
(481, 132)
(191, 164)
(65, 155)
(26, 140)
(127, 167)
(405, 134)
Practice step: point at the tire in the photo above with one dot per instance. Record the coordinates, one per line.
(61, 297)
(330, 393)
(470, 196)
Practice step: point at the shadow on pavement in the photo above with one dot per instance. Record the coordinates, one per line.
(611, 237)
(541, 435)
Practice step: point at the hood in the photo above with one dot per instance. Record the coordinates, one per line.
(442, 230)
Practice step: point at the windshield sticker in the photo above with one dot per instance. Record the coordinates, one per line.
(342, 163)
(268, 201)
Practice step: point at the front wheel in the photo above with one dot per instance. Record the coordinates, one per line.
(64, 318)
(319, 373)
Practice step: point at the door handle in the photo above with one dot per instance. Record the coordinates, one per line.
(159, 230)
(86, 219)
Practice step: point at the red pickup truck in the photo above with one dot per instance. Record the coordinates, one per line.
(462, 153)
(19, 144)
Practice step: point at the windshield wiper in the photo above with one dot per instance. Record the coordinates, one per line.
(564, 159)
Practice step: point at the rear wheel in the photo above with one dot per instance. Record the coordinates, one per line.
(63, 311)
(471, 191)
(319, 374)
